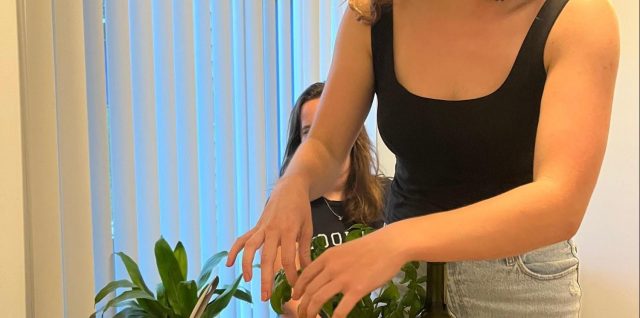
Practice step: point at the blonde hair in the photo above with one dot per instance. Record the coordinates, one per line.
(368, 11)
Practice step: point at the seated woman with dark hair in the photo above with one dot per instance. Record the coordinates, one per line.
(356, 197)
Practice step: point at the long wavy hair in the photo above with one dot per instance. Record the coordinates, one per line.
(363, 197)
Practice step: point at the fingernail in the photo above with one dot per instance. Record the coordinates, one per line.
(264, 296)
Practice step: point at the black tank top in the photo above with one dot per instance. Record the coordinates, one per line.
(454, 153)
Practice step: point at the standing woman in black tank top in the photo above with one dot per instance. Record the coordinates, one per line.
(498, 114)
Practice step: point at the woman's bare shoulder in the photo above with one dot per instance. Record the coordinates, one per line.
(586, 26)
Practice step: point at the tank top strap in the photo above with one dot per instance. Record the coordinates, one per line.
(382, 43)
(532, 50)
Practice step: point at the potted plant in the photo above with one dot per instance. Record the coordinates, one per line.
(386, 303)
(175, 297)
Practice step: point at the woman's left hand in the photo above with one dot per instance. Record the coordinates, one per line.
(353, 269)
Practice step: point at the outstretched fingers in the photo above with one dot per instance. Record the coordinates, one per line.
(346, 305)
(304, 249)
(308, 275)
(288, 254)
(311, 304)
(267, 260)
(250, 248)
(237, 246)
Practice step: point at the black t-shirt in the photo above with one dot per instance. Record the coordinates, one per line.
(325, 216)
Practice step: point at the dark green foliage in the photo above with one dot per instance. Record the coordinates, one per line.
(389, 303)
(176, 297)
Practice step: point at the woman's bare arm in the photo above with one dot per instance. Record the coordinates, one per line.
(582, 57)
(344, 104)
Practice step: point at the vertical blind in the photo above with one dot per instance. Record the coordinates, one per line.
(188, 111)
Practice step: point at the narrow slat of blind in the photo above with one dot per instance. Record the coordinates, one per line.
(337, 11)
(225, 166)
(297, 46)
(166, 118)
(285, 70)
(73, 153)
(270, 48)
(187, 147)
(240, 113)
(206, 137)
(98, 144)
(324, 37)
(272, 160)
(256, 113)
(310, 38)
(121, 131)
(145, 132)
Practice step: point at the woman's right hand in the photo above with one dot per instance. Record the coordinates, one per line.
(285, 221)
(286, 218)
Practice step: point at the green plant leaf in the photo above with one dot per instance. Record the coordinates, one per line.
(318, 246)
(244, 295)
(409, 297)
(357, 226)
(389, 295)
(189, 294)
(378, 311)
(368, 230)
(222, 301)
(111, 287)
(131, 312)
(389, 309)
(410, 273)
(121, 299)
(170, 275)
(422, 293)
(134, 272)
(155, 307)
(276, 299)
(204, 297)
(415, 308)
(280, 292)
(367, 301)
(208, 267)
(353, 235)
(362, 309)
(327, 309)
(398, 313)
(161, 296)
(241, 293)
(160, 307)
(181, 255)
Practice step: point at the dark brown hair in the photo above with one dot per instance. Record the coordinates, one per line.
(363, 190)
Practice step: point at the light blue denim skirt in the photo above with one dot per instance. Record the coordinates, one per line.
(539, 283)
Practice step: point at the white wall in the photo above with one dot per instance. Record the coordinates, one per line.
(12, 261)
(608, 237)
